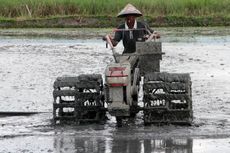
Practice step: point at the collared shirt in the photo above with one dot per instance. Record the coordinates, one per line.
(131, 31)
(130, 36)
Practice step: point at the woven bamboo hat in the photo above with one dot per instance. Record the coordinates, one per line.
(129, 10)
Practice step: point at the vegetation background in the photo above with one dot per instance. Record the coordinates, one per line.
(163, 12)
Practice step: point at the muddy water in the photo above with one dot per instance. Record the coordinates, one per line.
(29, 65)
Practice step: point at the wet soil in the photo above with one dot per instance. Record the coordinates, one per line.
(29, 66)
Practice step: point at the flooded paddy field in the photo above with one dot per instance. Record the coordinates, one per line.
(31, 59)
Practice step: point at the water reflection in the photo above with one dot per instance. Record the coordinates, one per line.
(79, 145)
(154, 146)
(75, 144)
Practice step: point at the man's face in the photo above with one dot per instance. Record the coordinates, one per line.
(130, 20)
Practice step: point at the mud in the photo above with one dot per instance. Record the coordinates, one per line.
(30, 65)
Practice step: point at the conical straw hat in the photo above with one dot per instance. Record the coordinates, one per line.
(129, 10)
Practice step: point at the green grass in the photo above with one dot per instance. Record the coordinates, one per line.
(47, 8)
(102, 13)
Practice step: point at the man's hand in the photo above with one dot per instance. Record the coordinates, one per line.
(105, 37)
(154, 36)
(157, 35)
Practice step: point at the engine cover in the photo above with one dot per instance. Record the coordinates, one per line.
(117, 77)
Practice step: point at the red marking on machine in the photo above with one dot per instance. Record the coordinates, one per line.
(117, 72)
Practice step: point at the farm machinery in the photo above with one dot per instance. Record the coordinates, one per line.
(167, 97)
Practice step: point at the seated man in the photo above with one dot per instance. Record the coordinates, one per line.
(131, 31)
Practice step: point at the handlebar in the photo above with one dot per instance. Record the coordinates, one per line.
(108, 41)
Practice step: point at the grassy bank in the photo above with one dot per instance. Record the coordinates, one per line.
(109, 21)
(165, 12)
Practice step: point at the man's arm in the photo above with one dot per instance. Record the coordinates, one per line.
(148, 31)
(117, 38)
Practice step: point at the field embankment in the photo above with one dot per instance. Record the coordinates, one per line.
(95, 13)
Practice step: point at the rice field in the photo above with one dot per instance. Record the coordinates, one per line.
(154, 8)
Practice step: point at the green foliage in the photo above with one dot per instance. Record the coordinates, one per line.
(45, 8)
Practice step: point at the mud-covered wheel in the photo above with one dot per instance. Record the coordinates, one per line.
(79, 99)
(167, 98)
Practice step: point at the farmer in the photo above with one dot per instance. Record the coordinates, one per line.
(132, 30)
